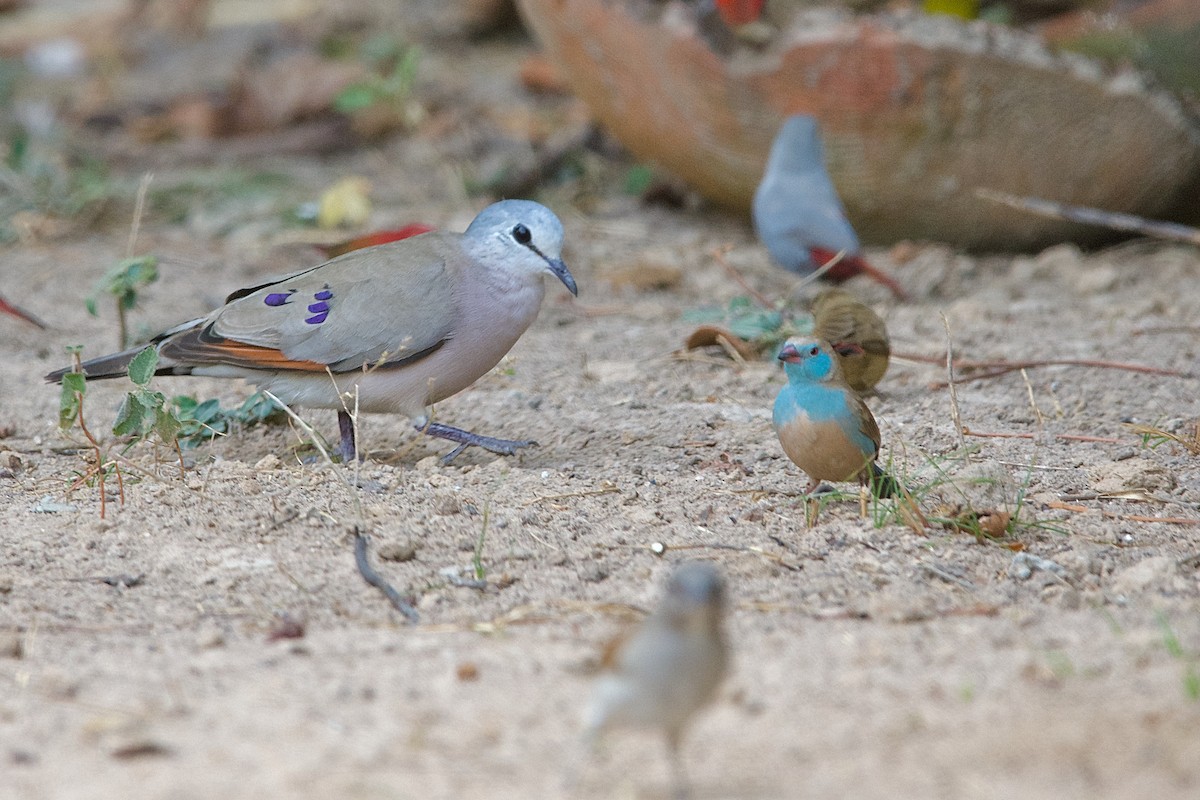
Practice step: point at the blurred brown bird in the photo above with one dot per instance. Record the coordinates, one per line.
(841, 319)
(668, 668)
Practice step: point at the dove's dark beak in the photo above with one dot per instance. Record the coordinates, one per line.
(559, 270)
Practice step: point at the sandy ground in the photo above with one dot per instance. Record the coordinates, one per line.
(870, 661)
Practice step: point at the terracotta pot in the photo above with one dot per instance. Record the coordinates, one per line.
(917, 112)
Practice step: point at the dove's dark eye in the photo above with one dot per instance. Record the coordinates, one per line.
(522, 234)
(814, 351)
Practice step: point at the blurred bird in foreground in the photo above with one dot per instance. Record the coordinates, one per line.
(20, 313)
(824, 426)
(668, 668)
(798, 214)
(840, 319)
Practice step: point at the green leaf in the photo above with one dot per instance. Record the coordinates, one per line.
(208, 411)
(753, 326)
(185, 404)
(638, 179)
(73, 387)
(75, 382)
(166, 425)
(141, 368)
(133, 417)
(354, 98)
(123, 281)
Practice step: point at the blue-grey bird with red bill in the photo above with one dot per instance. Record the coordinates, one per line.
(798, 214)
(387, 329)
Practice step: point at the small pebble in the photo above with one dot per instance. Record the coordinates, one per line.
(397, 551)
(11, 645)
(447, 505)
(269, 461)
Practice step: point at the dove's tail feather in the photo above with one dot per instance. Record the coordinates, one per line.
(883, 484)
(853, 265)
(116, 365)
(908, 509)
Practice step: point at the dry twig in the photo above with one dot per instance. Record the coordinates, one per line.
(1086, 215)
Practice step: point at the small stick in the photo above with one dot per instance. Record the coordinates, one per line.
(948, 577)
(1167, 329)
(122, 580)
(955, 415)
(1032, 402)
(139, 207)
(375, 579)
(360, 540)
(1067, 437)
(1086, 215)
(97, 451)
(1126, 517)
(718, 255)
(817, 273)
(1012, 366)
(569, 495)
(658, 548)
(997, 368)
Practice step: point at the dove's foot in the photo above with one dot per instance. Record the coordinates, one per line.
(465, 439)
(346, 450)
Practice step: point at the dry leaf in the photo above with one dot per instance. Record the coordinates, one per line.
(540, 76)
(345, 204)
(644, 276)
(289, 90)
(708, 335)
(994, 523)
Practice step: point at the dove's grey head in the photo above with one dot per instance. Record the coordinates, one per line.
(522, 237)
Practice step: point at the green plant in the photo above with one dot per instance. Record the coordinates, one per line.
(70, 413)
(948, 503)
(122, 283)
(1191, 674)
(388, 90)
(766, 329)
(145, 411)
(204, 421)
(41, 182)
(179, 197)
(638, 179)
(1154, 437)
(477, 557)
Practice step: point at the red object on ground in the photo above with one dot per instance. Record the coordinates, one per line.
(372, 239)
(739, 12)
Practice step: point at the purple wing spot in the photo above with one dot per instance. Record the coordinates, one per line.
(278, 298)
(317, 319)
(324, 294)
(319, 308)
